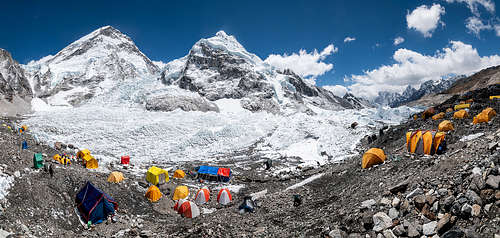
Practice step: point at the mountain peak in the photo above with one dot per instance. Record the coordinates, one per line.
(221, 33)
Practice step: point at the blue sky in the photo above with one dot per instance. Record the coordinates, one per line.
(166, 30)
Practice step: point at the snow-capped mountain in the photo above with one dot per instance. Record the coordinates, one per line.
(411, 94)
(88, 67)
(12, 79)
(356, 101)
(221, 68)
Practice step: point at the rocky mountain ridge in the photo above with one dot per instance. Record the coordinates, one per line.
(13, 81)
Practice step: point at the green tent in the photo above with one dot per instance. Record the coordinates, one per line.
(38, 160)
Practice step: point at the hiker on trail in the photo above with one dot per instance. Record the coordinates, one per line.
(51, 171)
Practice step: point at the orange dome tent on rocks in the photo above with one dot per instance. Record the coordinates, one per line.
(372, 157)
(153, 193)
(224, 197)
(202, 196)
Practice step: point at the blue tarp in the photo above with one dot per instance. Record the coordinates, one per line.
(208, 170)
(94, 205)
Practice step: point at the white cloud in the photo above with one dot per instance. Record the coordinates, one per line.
(349, 39)
(398, 40)
(475, 25)
(497, 30)
(473, 5)
(413, 68)
(304, 64)
(425, 19)
(337, 90)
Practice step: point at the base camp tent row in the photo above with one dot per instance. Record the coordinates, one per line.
(87, 159)
(94, 205)
(425, 142)
(156, 175)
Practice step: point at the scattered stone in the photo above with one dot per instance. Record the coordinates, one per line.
(430, 199)
(477, 171)
(453, 234)
(429, 229)
(393, 213)
(395, 202)
(368, 203)
(398, 230)
(473, 197)
(443, 192)
(477, 183)
(412, 231)
(487, 207)
(337, 233)
(435, 207)
(466, 210)
(427, 213)
(419, 201)
(476, 210)
(493, 181)
(400, 188)
(389, 234)
(381, 221)
(385, 201)
(58, 145)
(414, 193)
(492, 146)
(444, 223)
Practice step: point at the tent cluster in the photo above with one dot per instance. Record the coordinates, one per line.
(62, 159)
(190, 209)
(425, 142)
(87, 159)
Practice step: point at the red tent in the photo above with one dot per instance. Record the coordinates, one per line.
(125, 159)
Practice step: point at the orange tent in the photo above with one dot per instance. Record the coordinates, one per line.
(460, 114)
(372, 157)
(424, 142)
(153, 193)
(445, 126)
(438, 116)
(484, 116)
(428, 113)
(449, 110)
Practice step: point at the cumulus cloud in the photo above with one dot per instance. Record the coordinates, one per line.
(349, 39)
(398, 40)
(497, 30)
(475, 25)
(337, 90)
(473, 5)
(425, 19)
(413, 68)
(304, 64)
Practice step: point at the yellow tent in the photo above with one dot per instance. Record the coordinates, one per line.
(424, 142)
(445, 126)
(460, 114)
(156, 175)
(372, 157)
(494, 97)
(449, 110)
(82, 153)
(438, 116)
(57, 158)
(25, 127)
(90, 162)
(115, 177)
(462, 106)
(181, 192)
(179, 174)
(153, 193)
(484, 116)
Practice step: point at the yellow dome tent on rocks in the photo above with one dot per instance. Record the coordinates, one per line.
(180, 192)
(115, 177)
(445, 126)
(179, 174)
(485, 116)
(461, 114)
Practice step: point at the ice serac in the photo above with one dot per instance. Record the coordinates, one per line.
(221, 68)
(89, 66)
(13, 81)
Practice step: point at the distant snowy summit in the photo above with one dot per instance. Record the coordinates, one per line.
(106, 64)
(89, 66)
(221, 68)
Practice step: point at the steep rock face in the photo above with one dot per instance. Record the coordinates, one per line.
(12, 79)
(89, 66)
(220, 67)
(357, 102)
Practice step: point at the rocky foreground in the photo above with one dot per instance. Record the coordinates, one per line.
(451, 195)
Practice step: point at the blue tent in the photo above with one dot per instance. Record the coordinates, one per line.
(215, 173)
(94, 205)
